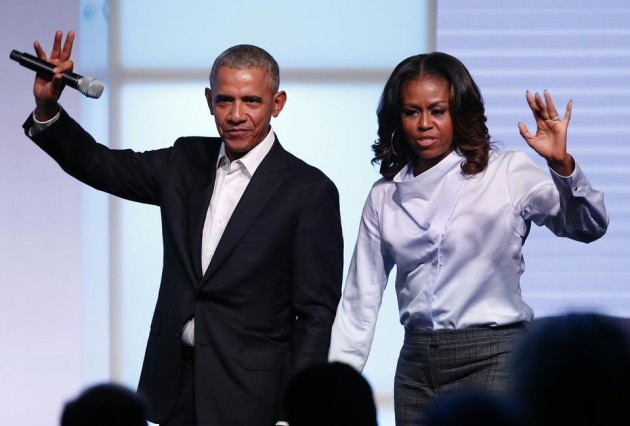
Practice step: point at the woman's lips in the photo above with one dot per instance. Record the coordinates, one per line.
(425, 141)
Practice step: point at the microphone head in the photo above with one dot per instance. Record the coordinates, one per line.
(90, 87)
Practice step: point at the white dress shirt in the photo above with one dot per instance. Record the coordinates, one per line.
(456, 241)
(230, 184)
(38, 126)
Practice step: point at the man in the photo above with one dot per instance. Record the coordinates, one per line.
(253, 250)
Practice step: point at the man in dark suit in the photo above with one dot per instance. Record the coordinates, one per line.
(253, 250)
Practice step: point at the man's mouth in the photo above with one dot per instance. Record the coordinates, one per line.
(235, 133)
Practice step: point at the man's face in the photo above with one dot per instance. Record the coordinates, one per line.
(242, 103)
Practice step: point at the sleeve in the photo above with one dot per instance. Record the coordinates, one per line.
(355, 322)
(39, 126)
(124, 173)
(317, 254)
(569, 206)
(318, 274)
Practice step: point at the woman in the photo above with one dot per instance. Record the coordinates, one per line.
(452, 214)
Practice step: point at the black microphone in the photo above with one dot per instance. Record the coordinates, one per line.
(88, 86)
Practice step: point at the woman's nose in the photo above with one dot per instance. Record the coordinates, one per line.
(424, 121)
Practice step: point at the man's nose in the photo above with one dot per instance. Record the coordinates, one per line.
(236, 112)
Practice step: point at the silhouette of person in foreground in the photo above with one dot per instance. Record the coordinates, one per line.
(471, 407)
(105, 404)
(330, 394)
(573, 369)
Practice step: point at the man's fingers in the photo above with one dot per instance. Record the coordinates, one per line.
(67, 46)
(56, 50)
(39, 50)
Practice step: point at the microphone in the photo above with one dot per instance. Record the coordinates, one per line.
(88, 86)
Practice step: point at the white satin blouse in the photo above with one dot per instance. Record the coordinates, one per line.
(456, 241)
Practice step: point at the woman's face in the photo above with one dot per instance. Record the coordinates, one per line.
(426, 120)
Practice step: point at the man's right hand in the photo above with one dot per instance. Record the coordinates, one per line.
(47, 92)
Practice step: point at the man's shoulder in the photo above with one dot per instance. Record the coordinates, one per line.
(194, 151)
(187, 141)
(198, 145)
(303, 168)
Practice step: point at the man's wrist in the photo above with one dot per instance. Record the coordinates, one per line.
(45, 113)
(39, 125)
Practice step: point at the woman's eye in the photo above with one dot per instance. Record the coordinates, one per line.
(437, 112)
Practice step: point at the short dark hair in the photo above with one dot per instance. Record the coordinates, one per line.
(331, 394)
(470, 133)
(573, 369)
(105, 405)
(247, 56)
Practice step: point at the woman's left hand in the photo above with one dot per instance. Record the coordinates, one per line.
(550, 140)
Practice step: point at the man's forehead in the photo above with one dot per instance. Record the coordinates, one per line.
(254, 77)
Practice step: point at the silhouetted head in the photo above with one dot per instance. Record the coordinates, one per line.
(471, 408)
(333, 394)
(105, 405)
(573, 369)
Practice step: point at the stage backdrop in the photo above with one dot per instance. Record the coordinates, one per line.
(80, 269)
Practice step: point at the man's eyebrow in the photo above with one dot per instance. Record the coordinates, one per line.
(254, 98)
(246, 98)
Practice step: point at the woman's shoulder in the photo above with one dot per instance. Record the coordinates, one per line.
(508, 156)
(515, 164)
(382, 185)
(381, 190)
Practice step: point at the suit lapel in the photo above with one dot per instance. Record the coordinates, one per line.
(263, 184)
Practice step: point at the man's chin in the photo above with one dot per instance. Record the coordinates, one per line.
(238, 147)
(237, 144)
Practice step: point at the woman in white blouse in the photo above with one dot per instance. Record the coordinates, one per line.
(452, 214)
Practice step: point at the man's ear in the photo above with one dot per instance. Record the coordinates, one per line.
(279, 99)
(209, 100)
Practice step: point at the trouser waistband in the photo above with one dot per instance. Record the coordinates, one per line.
(188, 355)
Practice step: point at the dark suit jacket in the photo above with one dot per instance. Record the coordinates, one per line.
(264, 308)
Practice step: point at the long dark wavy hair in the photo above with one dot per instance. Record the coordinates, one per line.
(470, 133)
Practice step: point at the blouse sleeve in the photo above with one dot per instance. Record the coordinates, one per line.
(355, 322)
(569, 206)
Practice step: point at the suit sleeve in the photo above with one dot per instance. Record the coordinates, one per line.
(317, 277)
(318, 269)
(121, 172)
